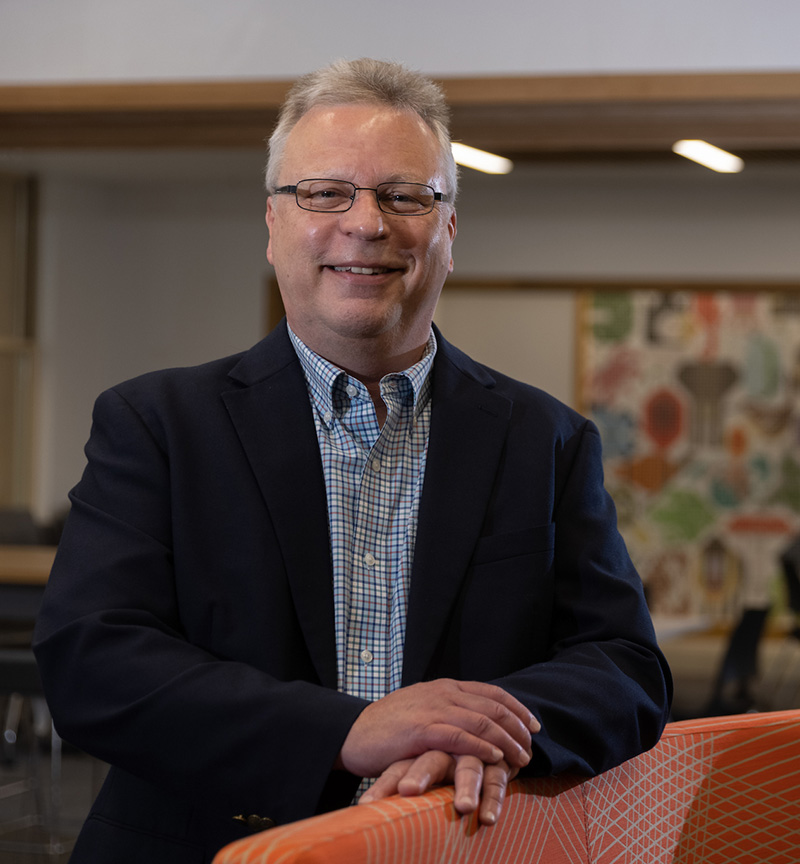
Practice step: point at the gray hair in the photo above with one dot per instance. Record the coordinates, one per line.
(371, 82)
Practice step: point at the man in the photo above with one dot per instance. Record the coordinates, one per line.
(350, 552)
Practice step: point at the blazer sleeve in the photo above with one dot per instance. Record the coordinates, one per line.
(124, 679)
(603, 690)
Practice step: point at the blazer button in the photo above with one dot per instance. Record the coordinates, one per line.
(255, 822)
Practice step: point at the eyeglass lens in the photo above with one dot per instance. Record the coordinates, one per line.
(338, 195)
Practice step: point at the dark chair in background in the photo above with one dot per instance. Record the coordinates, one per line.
(735, 690)
(786, 690)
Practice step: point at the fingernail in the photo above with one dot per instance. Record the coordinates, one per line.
(524, 757)
(534, 725)
(497, 754)
(489, 818)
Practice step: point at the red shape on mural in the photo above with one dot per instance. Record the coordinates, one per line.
(663, 418)
(708, 315)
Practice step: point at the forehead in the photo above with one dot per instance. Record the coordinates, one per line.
(361, 142)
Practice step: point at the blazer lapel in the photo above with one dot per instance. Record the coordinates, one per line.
(468, 430)
(272, 416)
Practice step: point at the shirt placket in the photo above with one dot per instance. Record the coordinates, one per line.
(368, 633)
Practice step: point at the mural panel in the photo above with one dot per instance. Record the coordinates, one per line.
(696, 397)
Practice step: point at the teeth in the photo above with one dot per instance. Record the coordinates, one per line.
(362, 271)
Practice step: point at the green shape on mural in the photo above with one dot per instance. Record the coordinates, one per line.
(762, 367)
(683, 515)
(788, 493)
(613, 316)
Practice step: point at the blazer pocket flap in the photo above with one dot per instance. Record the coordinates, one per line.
(540, 538)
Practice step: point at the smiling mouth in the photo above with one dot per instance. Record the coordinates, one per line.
(363, 271)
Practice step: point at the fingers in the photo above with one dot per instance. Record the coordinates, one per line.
(468, 781)
(426, 771)
(502, 698)
(495, 782)
(412, 776)
(477, 787)
(502, 719)
(387, 783)
(491, 714)
(462, 718)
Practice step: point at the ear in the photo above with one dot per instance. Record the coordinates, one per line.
(270, 219)
(452, 229)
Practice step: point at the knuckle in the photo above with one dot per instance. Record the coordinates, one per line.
(484, 724)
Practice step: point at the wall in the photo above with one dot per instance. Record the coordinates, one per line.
(153, 260)
(160, 268)
(46, 40)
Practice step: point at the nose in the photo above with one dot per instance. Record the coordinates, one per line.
(364, 218)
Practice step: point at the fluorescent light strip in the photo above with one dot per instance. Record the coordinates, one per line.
(708, 155)
(480, 160)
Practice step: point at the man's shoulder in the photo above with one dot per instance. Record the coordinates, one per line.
(525, 397)
(213, 376)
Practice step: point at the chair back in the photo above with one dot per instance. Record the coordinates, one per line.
(720, 790)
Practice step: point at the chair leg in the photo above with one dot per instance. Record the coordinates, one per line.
(13, 716)
(46, 815)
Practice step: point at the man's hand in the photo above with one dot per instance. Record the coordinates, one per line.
(477, 786)
(463, 718)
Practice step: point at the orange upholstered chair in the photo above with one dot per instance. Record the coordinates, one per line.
(715, 791)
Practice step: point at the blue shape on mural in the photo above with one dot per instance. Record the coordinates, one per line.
(617, 431)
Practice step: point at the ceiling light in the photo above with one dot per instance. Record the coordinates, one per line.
(480, 160)
(709, 155)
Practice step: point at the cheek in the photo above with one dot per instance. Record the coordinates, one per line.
(438, 253)
(294, 245)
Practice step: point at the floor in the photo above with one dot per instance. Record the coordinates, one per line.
(81, 778)
(694, 659)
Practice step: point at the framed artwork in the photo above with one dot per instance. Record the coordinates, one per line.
(697, 397)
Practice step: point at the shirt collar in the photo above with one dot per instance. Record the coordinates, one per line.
(327, 383)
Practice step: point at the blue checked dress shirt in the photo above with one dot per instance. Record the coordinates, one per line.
(373, 478)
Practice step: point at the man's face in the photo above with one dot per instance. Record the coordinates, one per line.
(406, 258)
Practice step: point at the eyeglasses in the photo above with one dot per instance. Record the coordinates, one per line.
(337, 196)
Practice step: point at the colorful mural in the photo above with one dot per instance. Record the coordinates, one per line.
(697, 397)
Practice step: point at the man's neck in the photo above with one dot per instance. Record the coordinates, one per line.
(368, 360)
(369, 371)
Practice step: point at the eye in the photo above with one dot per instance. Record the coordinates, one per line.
(405, 197)
(325, 194)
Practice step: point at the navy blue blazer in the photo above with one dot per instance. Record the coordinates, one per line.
(187, 633)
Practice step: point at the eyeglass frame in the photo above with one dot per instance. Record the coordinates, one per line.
(438, 197)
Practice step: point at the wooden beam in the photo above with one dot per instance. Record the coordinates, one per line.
(519, 116)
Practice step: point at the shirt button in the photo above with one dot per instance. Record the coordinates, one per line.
(351, 390)
(367, 656)
(370, 560)
(327, 416)
(376, 466)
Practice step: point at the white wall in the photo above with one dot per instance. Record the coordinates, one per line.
(136, 275)
(79, 40)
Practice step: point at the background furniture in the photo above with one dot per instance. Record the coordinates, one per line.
(716, 791)
(23, 574)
